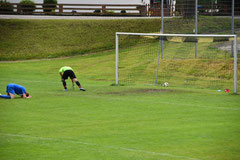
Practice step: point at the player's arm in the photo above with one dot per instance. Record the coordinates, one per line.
(11, 95)
(25, 96)
(61, 74)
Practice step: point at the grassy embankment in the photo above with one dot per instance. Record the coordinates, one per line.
(31, 39)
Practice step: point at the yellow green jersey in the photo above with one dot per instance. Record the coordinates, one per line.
(65, 68)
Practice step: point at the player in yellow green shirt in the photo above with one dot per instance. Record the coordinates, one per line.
(66, 72)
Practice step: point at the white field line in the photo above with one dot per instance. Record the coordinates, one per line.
(31, 81)
(28, 81)
(92, 144)
(34, 60)
(200, 106)
(56, 81)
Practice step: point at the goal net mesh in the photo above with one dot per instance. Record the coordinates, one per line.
(179, 65)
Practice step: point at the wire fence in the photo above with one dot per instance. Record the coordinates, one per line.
(221, 12)
(187, 8)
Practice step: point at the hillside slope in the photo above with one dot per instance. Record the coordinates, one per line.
(34, 39)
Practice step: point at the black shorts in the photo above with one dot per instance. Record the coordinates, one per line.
(68, 73)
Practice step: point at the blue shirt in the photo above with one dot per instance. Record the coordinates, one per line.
(15, 88)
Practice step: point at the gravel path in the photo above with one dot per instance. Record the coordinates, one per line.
(83, 17)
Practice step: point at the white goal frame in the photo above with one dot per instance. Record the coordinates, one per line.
(180, 35)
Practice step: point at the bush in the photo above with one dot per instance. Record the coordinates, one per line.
(51, 5)
(109, 12)
(123, 11)
(27, 6)
(97, 11)
(5, 6)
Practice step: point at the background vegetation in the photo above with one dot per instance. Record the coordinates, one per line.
(6, 6)
(27, 6)
(52, 6)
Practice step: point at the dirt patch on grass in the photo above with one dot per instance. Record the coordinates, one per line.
(116, 93)
(142, 91)
(153, 90)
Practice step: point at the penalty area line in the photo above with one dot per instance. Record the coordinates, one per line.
(103, 146)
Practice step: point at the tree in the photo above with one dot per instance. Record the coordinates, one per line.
(49, 5)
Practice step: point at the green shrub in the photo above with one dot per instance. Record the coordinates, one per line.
(123, 11)
(5, 6)
(97, 11)
(50, 5)
(109, 12)
(27, 6)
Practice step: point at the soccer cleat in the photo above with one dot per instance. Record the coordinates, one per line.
(82, 89)
(65, 89)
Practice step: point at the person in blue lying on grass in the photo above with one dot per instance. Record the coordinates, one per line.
(13, 89)
(66, 72)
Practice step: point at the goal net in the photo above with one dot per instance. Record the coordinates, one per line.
(182, 60)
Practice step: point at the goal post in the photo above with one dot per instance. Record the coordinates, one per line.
(135, 45)
(235, 62)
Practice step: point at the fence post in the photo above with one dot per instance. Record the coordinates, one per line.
(162, 28)
(148, 7)
(212, 8)
(196, 26)
(18, 8)
(235, 63)
(233, 8)
(160, 43)
(103, 9)
(117, 55)
(60, 8)
(143, 10)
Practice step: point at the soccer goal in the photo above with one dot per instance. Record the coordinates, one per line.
(182, 60)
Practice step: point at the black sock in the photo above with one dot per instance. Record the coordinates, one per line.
(78, 83)
(64, 84)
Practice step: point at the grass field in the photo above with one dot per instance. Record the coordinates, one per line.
(112, 122)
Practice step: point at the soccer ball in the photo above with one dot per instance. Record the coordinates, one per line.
(165, 84)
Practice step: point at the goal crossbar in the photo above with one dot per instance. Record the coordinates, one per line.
(179, 35)
(176, 35)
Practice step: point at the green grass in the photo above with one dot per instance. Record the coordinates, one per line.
(112, 122)
(33, 39)
(28, 39)
(213, 68)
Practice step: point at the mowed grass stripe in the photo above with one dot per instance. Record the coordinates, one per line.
(102, 146)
